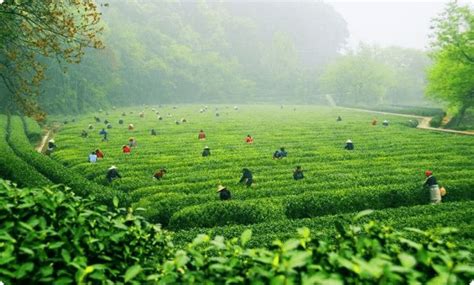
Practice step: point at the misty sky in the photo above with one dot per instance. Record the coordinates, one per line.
(402, 23)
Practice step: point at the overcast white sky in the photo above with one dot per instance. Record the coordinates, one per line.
(402, 23)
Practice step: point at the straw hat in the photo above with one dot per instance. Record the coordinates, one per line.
(51, 141)
(348, 141)
(220, 188)
(206, 147)
(113, 167)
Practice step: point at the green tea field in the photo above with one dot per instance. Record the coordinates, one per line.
(384, 172)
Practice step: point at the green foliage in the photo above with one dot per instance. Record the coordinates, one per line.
(385, 170)
(450, 78)
(357, 79)
(54, 170)
(12, 167)
(33, 130)
(206, 51)
(50, 235)
(224, 213)
(459, 214)
(369, 253)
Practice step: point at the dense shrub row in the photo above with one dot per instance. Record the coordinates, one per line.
(231, 212)
(459, 214)
(33, 130)
(54, 170)
(12, 167)
(306, 205)
(50, 235)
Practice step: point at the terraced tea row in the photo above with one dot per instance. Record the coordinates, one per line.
(385, 170)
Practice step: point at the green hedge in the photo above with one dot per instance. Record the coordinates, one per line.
(33, 130)
(188, 211)
(12, 167)
(459, 214)
(227, 212)
(49, 235)
(54, 170)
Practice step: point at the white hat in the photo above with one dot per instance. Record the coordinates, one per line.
(51, 140)
(348, 141)
(113, 167)
(206, 146)
(220, 188)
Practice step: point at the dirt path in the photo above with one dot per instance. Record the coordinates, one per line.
(423, 122)
(45, 138)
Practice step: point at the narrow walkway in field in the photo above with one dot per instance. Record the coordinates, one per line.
(423, 122)
(40, 147)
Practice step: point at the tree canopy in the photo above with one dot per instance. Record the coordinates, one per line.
(35, 30)
(451, 78)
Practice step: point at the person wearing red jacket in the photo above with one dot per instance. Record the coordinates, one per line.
(249, 139)
(202, 135)
(126, 149)
(99, 153)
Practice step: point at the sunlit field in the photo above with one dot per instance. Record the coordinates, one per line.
(386, 169)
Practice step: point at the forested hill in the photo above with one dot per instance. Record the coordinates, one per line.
(172, 51)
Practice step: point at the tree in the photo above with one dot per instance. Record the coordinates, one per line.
(35, 30)
(358, 78)
(451, 78)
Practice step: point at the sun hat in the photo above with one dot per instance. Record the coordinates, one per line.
(428, 173)
(113, 167)
(220, 188)
(348, 141)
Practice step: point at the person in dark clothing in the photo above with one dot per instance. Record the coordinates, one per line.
(109, 126)
(349, 145)
(90, 126)
(247, 177)
(104, 133)
(124, 114)
(298, 173)
(51, 147)
(339, 119)
(206, 151)
(97, 119)
(112, 173)
(153, 132)
(84, 134)
(385, 123)
(106, 121)
(224, 194)
(432, 184)
(159, 174)
(120, 122)
(279, 154)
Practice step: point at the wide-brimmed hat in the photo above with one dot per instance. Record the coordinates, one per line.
(113, 167)
(206, 147)
(348, 141)
(51, 140)
(220, 188)
(428, 173)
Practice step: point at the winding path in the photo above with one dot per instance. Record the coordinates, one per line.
(423, 122)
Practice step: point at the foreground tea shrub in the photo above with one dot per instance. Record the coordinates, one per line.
(51, 236)
(48, 235)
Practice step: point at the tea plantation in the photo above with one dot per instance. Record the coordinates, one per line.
(385, 172)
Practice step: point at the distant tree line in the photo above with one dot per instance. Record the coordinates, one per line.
(145, 52)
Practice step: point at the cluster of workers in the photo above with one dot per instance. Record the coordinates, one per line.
(247, 177)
